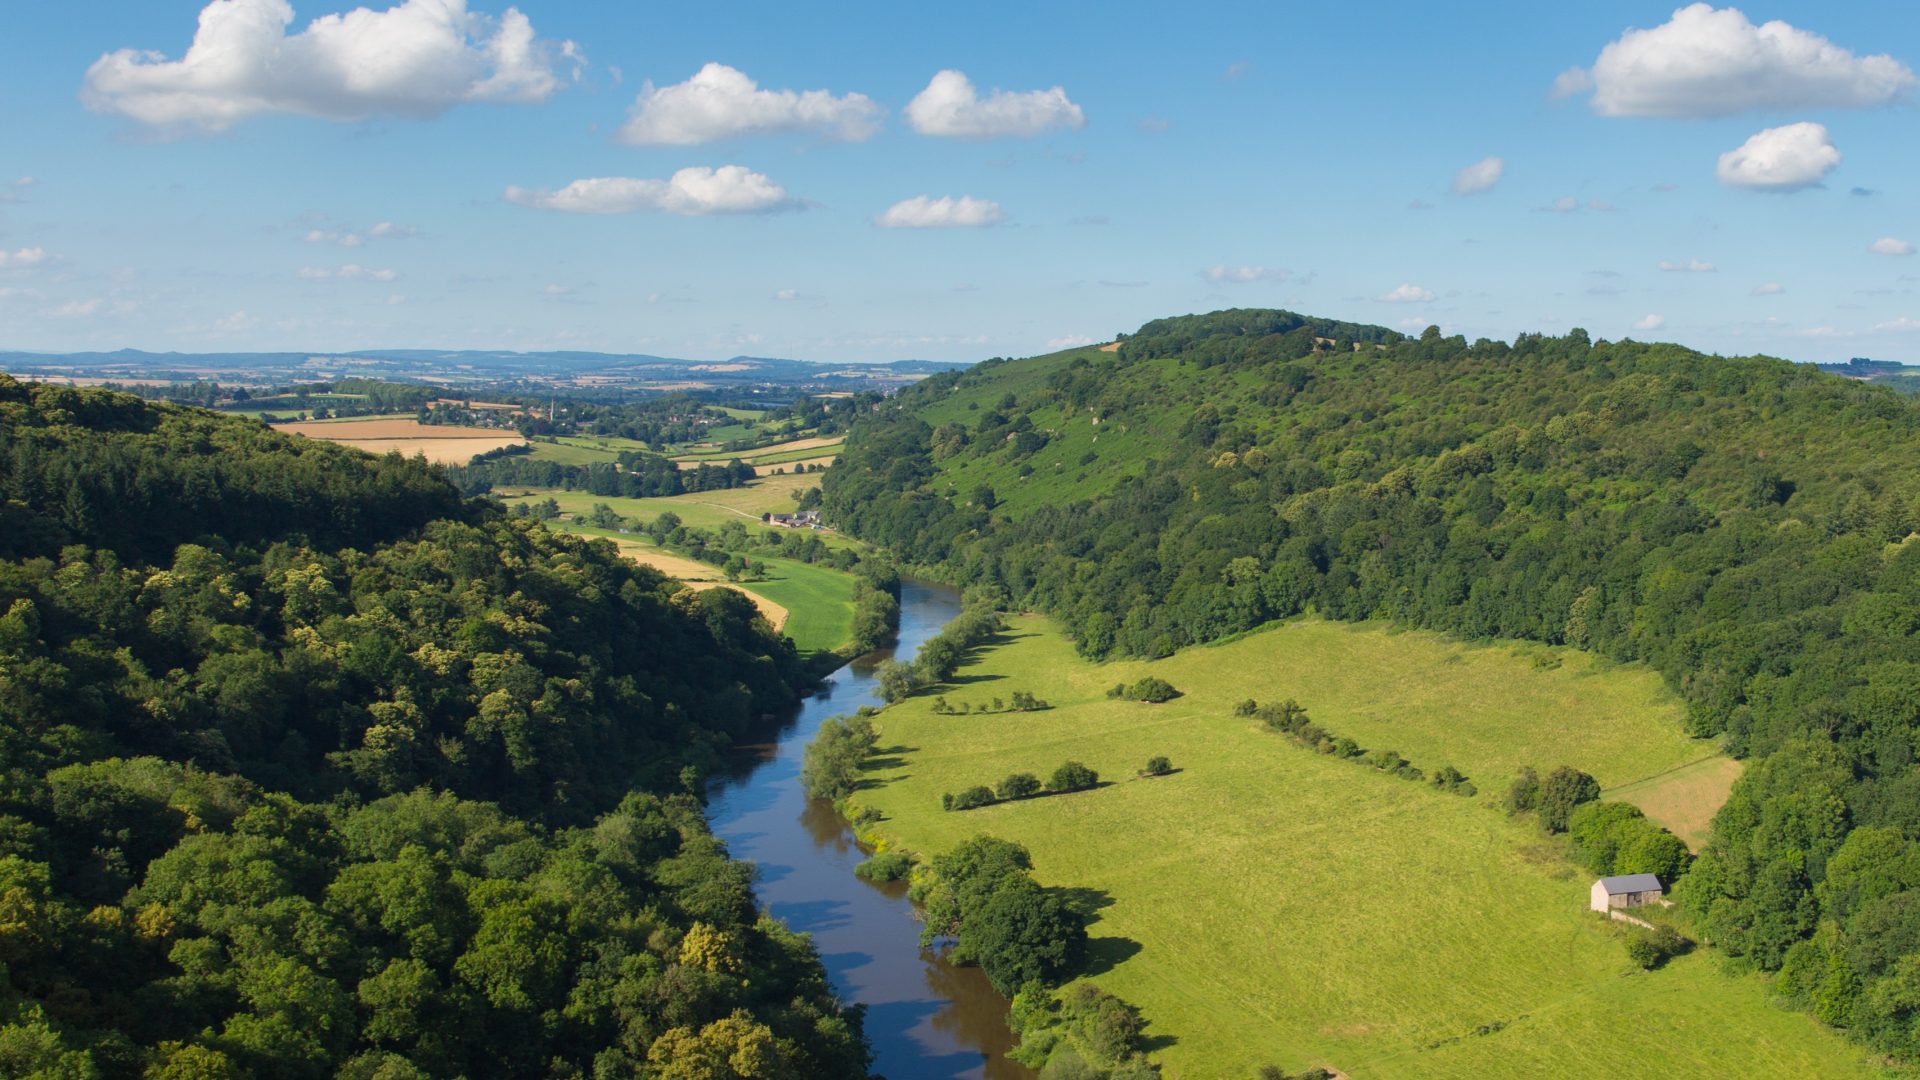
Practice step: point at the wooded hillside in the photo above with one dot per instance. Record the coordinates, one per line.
(312, 768)
(1744, 525)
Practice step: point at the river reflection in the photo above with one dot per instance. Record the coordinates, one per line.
(925, 1017)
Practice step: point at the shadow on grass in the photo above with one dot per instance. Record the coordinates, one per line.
(1088, 902)
(1105, 954)
(881, 764)
(875, 783)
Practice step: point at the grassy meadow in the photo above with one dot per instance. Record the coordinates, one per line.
(1266, 904)
(700, 509)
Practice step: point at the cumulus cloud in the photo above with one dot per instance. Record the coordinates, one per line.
(787, 294)
(1406, 294)
(1690, 266)
(1715, 62)
(1479, 176)
(1888, 245)
(1241, 275)
(693, 192)
(384, 230)
(1069, 341)
(945, 212)
(1650, 322)
(720, 102)
(348, 272)
(1903, 324)
(950, 106)
(418, 58)
(1781, 159)
(23, 257)
(1769, 288)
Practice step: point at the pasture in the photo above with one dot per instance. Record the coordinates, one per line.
(1266, 904)
(700, 509)
(438, 443)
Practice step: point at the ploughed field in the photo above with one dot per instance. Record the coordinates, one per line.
(1267, 904)
(441, 444)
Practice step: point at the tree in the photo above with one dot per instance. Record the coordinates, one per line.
(1564, 789)
(1151, 688)
(1159, 765)
(1072, 776)
(1018, 786)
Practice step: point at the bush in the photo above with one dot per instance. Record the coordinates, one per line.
(978, 795)
(1152, 689)
(1159, 766)
(1524, 795)
(1018, 786)
(1246, 708)
(886, 866)
(1651, 948)
(1119, 690)
(1072, 776)
(1564, 789)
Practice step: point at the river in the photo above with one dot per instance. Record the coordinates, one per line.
(925, 1017)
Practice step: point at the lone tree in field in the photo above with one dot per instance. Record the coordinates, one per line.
(1564, 789)
(1072, 776)
(1152, 689)
(1159, 765)
(1018, 786)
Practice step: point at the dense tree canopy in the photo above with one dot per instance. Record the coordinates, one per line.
(311, 768)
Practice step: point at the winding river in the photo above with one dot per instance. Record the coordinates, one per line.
(925, 1017)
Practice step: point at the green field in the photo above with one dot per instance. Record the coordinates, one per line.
(700, 509)
(1268, 904)
(583, 449)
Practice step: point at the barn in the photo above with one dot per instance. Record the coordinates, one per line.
(1625, 891)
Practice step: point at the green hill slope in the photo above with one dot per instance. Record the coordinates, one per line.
(1740, 524)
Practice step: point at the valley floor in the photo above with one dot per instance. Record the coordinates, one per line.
(1266, 904)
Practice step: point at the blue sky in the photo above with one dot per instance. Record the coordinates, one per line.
(406, 178)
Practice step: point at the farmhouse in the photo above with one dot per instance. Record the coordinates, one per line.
(805, 519)
(1628, 890)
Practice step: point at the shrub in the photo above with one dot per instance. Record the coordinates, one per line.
(1159, 765)
(1564, 789)
(1018, 786)
(1524, 794)
(1246, 708)
(1119, 690)
(1152, 689)
(886, 866)
(978, 795)
(1072, 776)
(1651, 948)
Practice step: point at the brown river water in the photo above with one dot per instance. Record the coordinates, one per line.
(925, 1017)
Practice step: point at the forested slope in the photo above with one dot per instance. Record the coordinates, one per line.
(1744, 525)
(311, 767)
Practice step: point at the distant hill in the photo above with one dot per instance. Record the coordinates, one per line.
(467, 366)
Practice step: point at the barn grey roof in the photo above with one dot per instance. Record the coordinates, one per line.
(1629, 883)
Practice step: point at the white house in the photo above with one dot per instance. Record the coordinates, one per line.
(1625, 891)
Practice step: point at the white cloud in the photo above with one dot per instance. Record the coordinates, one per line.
(1769, 288)
(720, 102)
(1601, 206)
(76, 309)
(347, 272)
(1070, 341)
(1650, 322)
(1241, 275)
(1708, 62)
(23, 257)
(1478, 176)
(418, 58)
(1781, 159)
(1406, 294)
(385, 230)
(696, 191)
(1565, 204)
(950, 106)
(787, 294)
(1691, 266)
(1903, 324)
(556, 290)
(1888, 245)
(946, 212)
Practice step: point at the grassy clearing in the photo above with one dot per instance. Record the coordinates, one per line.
(1683, 799)
(700, 509)
(814, 604)
(1268, 904)
(583, 449)
(810, 446)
